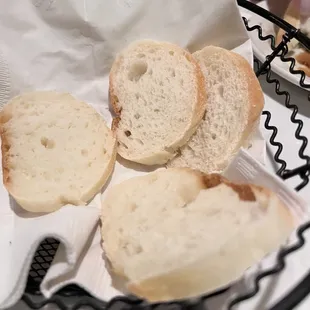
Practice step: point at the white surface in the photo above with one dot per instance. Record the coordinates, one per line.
(262, 48)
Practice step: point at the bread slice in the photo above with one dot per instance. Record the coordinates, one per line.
(157, 92)
(235, 102)
(56, 150)
(173, 235)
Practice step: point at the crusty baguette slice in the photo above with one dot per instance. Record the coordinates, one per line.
(235, 102)
(56, 150)
(177, 233)
(158, 94)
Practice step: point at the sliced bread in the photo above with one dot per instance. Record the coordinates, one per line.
(56, 150)
(235, 102)
(158, 94)
(173, 234)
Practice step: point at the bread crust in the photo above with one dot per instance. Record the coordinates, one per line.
(244, 191)
(256, 99)
(201, 95)
(108, 171)
(5, 146)
(112, 93)
(161, 156)
(33, 205)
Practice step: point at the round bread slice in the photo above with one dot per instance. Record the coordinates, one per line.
(173, 234)
(235, 102)
(56, 150)
(157, 92)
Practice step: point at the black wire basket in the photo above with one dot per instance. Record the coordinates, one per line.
(73, 297)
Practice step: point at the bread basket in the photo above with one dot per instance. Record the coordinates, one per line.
(73, 297)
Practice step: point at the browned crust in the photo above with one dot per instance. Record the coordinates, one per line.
(112, 95)
(5, 116)
(115, 123)
(244, 191)
(256, 96)
(255, 99)
(106, 174)
(201, 92)
(5, 161)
